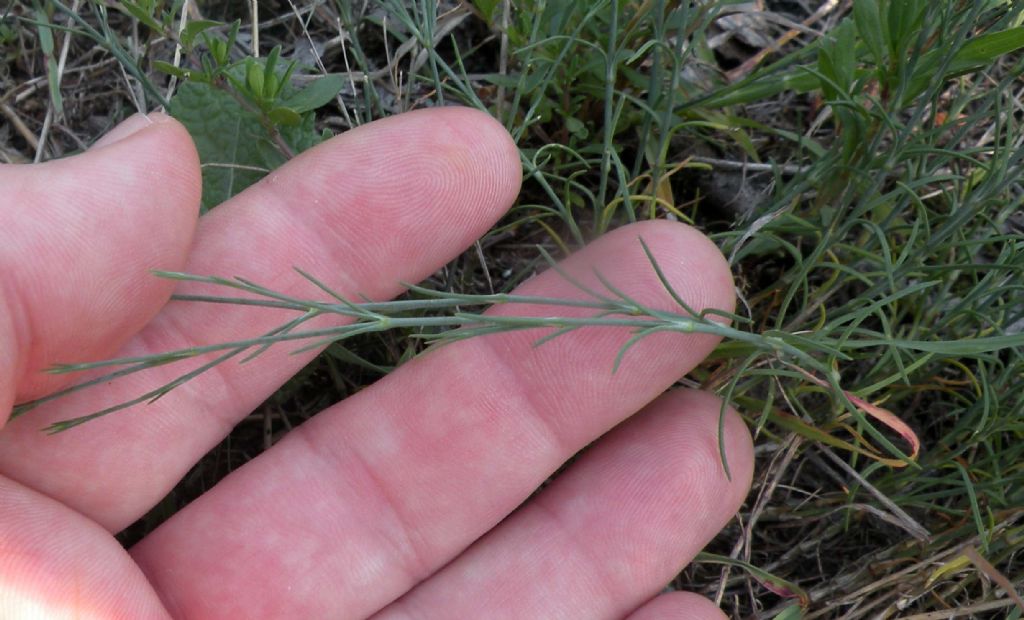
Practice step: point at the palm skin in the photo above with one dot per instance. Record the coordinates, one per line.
(403, 501)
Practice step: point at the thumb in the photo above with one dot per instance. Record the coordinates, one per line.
(78, 238)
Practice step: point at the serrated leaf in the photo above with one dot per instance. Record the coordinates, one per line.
(234, 147)
(318, 93)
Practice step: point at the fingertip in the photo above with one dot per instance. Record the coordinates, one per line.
(158, 141)
(153, 149)
(127, 127)
(691, 262)
(415, 186)
(686, 493)
(497, 150)
(729, 432)
(79, 280)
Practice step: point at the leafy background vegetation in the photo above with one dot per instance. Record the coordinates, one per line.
(859, 162)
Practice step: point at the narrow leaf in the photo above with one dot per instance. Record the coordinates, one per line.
(882, 415)
(796, 425)
(46, 43)
(776, 584)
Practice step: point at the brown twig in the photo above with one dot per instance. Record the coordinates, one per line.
(20, 126)
(751, 63)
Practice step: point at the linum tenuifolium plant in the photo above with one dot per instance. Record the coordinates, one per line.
(612, 307)
(247, 117)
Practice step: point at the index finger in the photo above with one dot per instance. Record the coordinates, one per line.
(384, 203)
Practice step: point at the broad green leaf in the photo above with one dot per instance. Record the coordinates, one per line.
(837, 62)
(845, 56)
(799, 81)
(45, 34)
(254, 78)
(975, 54)
(318, 93)
(510, 80)
(904, 19)
(827, 68)
(270, 82)
(868, 19)
(170, 69)
(285, 80)
(218, 49)
(271, 86)
(192, 30)
(270, 62)
(285, 116)
(984, 49)
(234, 147)
(576, 127)
(141, 14)
(487, 8)
(793, 612)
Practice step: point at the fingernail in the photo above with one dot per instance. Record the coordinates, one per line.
(131, 125)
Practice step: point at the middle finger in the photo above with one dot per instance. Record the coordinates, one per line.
(387, 202)
(375, 494)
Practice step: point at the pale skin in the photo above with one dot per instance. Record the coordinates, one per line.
(403, 501)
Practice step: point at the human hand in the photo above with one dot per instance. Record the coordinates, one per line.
(396, 502)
